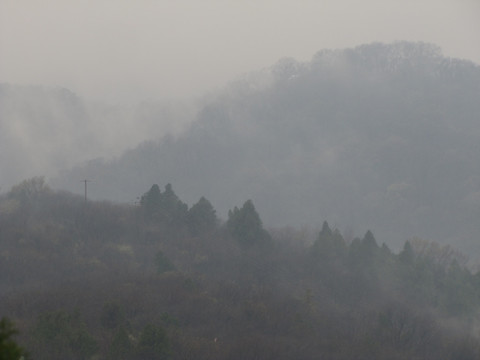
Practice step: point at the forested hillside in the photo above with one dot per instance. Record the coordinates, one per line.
(163, 280)
(381, 136)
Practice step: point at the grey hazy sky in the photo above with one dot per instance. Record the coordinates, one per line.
(115, 50)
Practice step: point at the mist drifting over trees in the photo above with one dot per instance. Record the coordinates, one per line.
(318, 209)
(379, 136)
(162, 280)
(45, 130)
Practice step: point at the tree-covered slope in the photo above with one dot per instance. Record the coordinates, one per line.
(162, 280)
(382, 136)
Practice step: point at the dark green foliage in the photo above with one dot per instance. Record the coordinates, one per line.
(369, 241)
(329, 244)
(202, 218)
(65, 335)
(112, 315)
(164, 207)
(245, 226)
(365, 251)
(303, 298)
(326, 231)
(153, 343)
(171, 204)
(162, 263)
(169, 320)
(459, 291)
(407, 255)
(151, 200)
(9, 349)
(121, 347)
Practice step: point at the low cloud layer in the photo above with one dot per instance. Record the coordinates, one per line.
(126, 51)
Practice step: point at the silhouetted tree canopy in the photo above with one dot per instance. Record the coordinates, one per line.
(151, 200)
(202, 217)
(103, 281)
(407, 255)
(245, 225)
(165, 207)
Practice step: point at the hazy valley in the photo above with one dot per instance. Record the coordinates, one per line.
(267, 220)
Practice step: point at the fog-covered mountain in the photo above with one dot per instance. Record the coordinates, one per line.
(40, 129)
(380, 136)
(45, 129)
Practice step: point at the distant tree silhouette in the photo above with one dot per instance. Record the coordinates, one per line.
(245, 225)
(165, 206)
(407, 255)
(202, 217)
(153, 343)
(150, 201)
(329, 244)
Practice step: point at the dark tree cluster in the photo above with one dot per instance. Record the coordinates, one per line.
(384, 135)
(246, 227)
(166, 208)
(161, 280)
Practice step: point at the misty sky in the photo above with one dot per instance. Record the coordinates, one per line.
(128, 50)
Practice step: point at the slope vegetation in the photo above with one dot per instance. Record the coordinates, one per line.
(161, 280)
(383, 136)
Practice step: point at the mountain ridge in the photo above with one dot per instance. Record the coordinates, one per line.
(389, 149)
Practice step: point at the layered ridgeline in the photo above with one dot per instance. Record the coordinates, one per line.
(379, 136)
(44, 129)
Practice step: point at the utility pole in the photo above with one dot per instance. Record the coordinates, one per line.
(85, 181)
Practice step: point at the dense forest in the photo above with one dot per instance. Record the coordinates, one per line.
(160, 279)
(381, 136)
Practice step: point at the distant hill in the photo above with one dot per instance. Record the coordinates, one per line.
(381, 136)
(45, 129)
(40, 129)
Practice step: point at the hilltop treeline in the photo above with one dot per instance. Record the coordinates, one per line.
(162, 280)
(376, 136)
